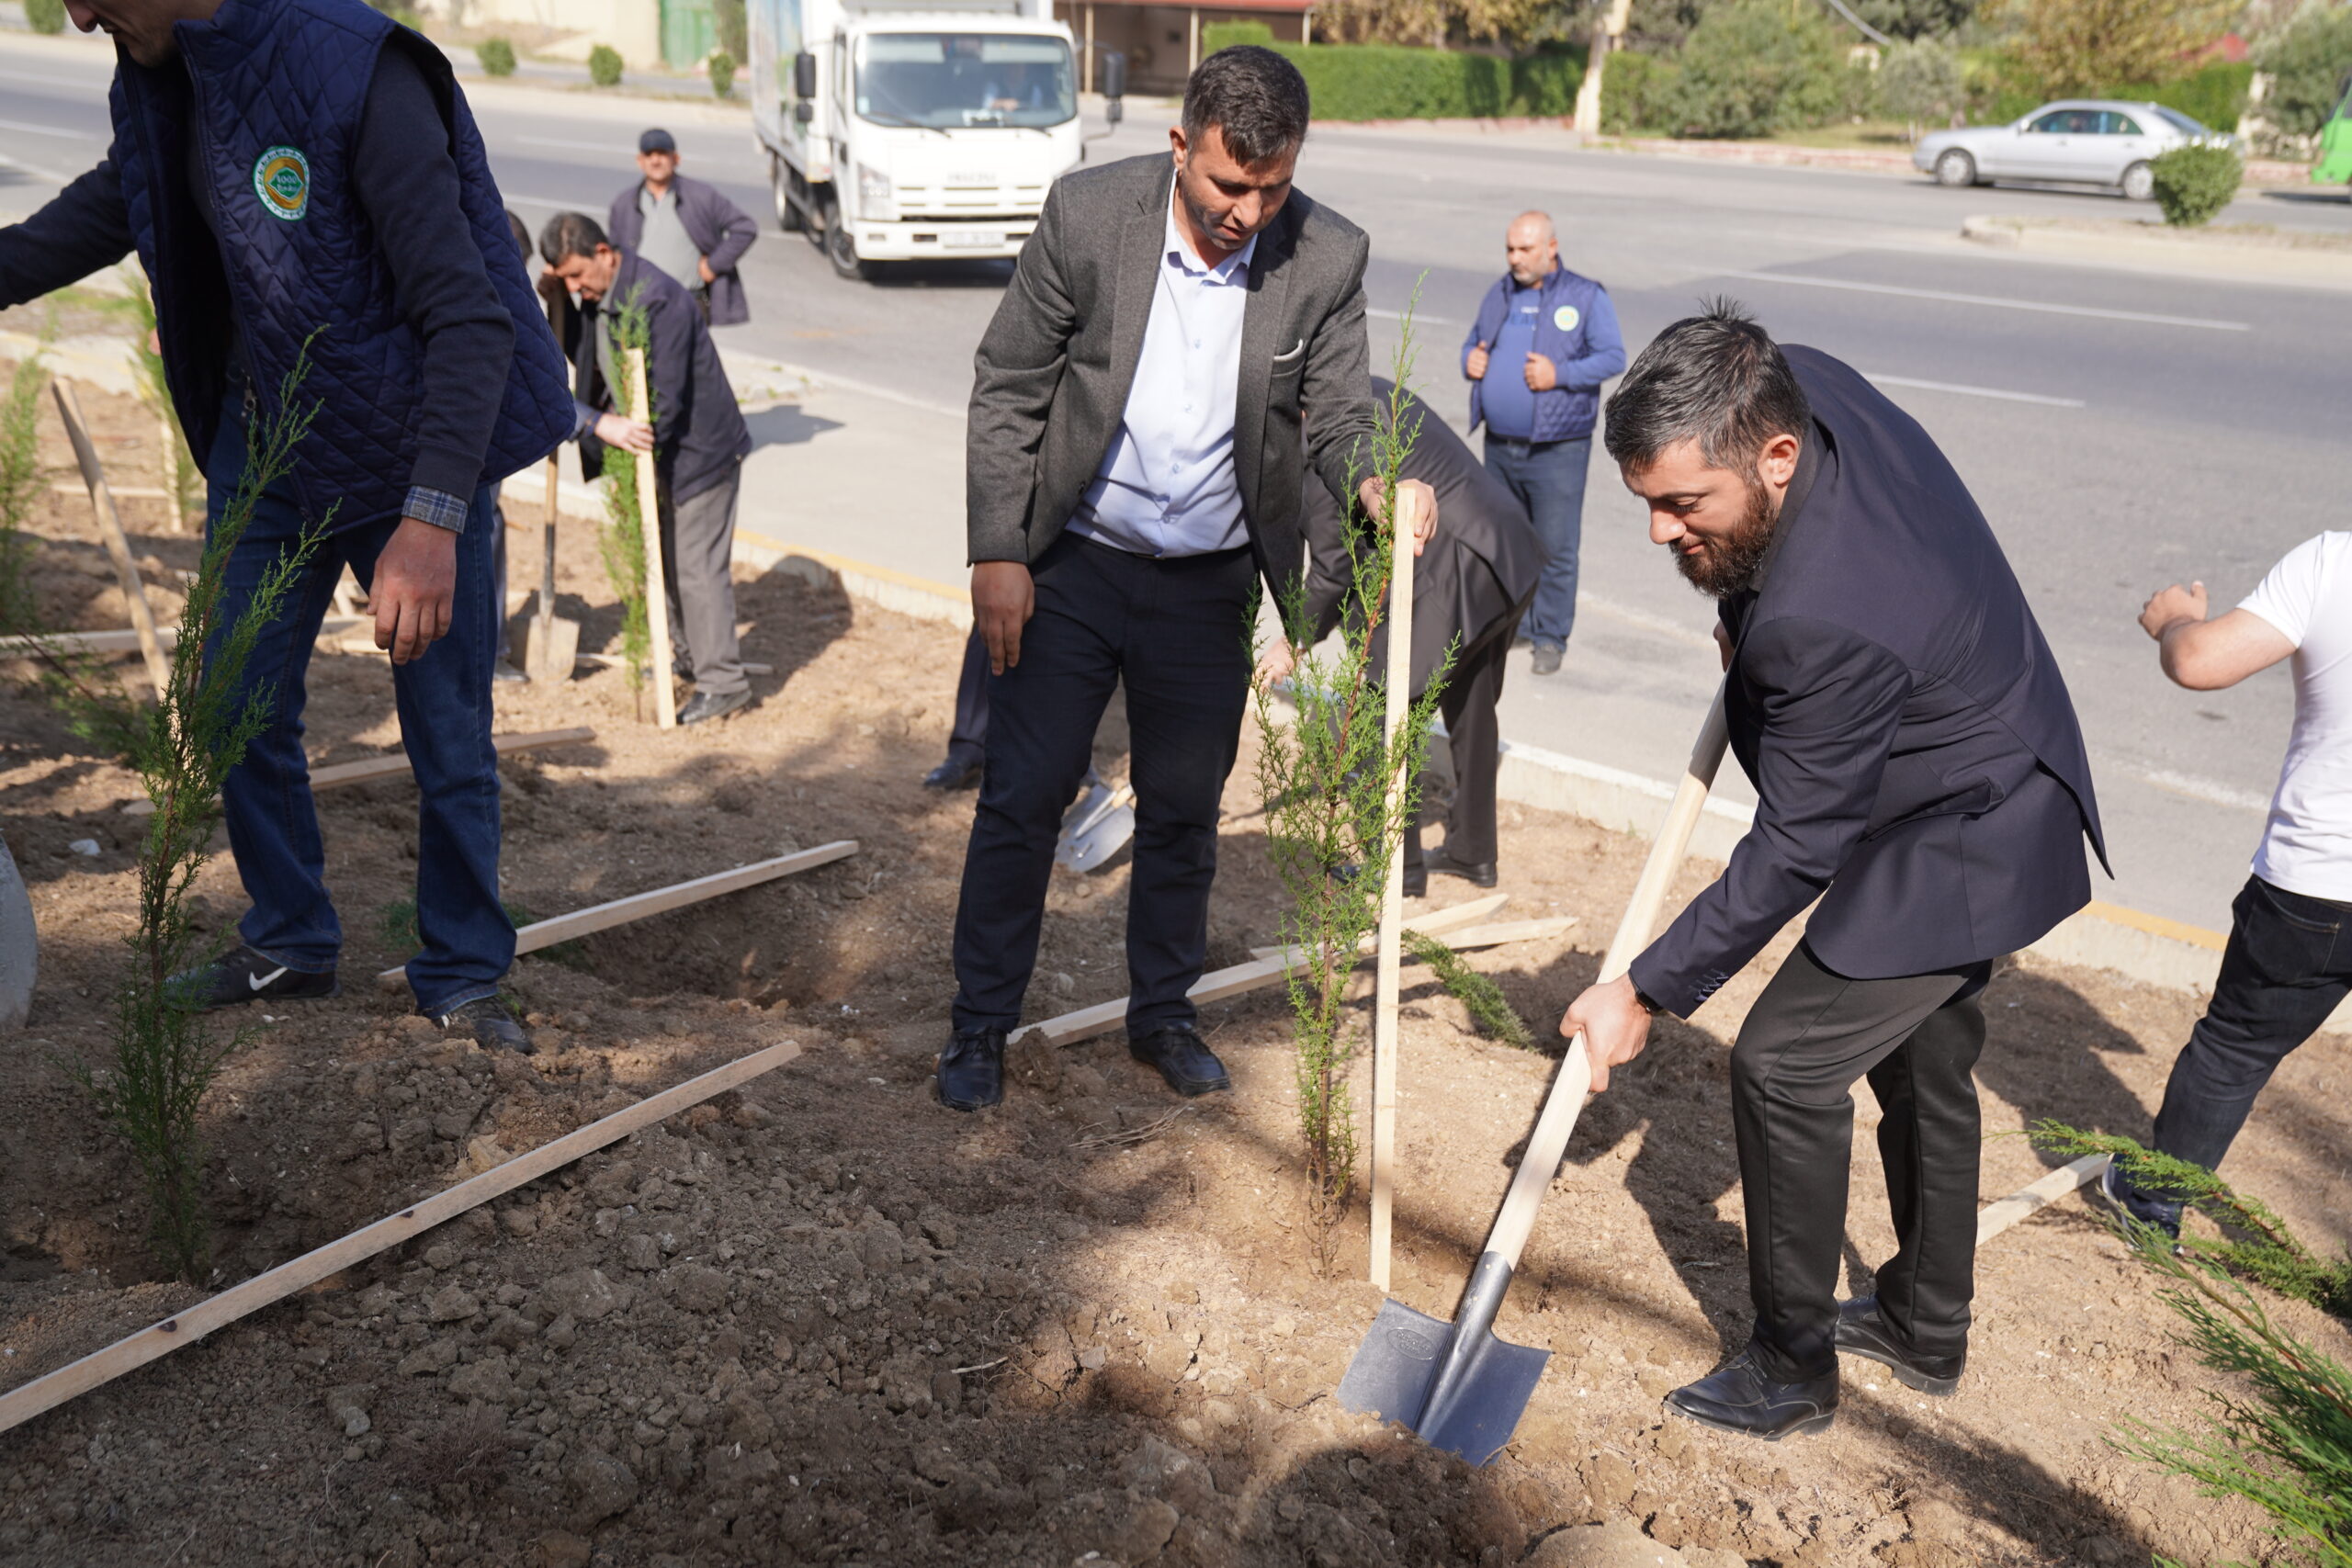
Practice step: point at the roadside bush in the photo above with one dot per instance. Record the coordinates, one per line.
(45, 16)
(1227, 35)
(605, 65)
(2214, 95)
(2306, 63)
(1374, 81)
(1637, 93)
(2195, 183)
(497, 57)
(722, 73)
(1751, 69)
(1919, 84)
(2071, 47)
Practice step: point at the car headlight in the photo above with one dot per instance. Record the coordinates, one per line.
(872, 185)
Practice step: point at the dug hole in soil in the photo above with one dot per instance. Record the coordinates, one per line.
(822, 1320)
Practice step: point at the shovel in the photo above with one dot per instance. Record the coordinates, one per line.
(1455, 1384)
(1096, 827)
(551, 645)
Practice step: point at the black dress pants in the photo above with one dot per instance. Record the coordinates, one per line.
(1474, 735)
(1176, 630)
(1809, 1036)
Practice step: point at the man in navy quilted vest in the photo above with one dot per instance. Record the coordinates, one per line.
(306, 170)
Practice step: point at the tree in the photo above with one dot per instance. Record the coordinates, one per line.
(2307, 63)
(1751, 68)
(1516, 23)
(1915, 18)
(1918, 83)
(2088, 45)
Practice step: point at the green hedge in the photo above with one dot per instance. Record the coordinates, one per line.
(2214, 94)
(1637, 93)
(1377, 81)
(2193, 183)
(1225, 35)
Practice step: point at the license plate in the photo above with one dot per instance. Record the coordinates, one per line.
(972, 239)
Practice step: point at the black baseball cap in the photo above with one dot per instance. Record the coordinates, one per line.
(657, 140)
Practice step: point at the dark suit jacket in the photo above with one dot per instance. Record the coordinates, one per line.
(1914, 751)
(698, 430)
(721, 230)
(1482, 564)
(1054, 369)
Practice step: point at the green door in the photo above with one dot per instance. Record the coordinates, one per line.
(688, 34)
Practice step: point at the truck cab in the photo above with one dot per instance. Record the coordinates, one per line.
(2334, 165)
(911, 132)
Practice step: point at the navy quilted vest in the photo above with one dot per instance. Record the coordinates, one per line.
(274, 90)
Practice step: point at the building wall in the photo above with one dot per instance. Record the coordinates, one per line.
(1158, 39)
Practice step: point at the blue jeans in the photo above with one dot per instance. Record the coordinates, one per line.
(443, 704)
(2287, 964)
(1548, 479)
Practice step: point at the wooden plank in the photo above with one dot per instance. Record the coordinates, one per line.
(121, 493)
(656, 591)
(1995, 1218)
(368, 769)
(127, 640)
(126, 570)
(21, 1405)
(1502, 932)
(661, 900)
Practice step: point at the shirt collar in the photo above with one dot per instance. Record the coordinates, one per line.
(1179, 249)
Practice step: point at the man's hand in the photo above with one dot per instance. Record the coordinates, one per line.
(1276, 663)
(1542, 374)
(702, 265)
(1615, 1023)
(416, 577)
(1004, 598)
(1416, 507)
(1476, 366)
(629, 434)
(2170, 606)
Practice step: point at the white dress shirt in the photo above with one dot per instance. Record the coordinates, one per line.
(1167, 486)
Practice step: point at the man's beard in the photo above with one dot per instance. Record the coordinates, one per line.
(1729, 565)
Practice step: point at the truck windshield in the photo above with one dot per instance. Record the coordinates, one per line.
(950, 80)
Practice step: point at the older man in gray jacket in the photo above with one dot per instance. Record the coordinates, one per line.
(1135, 462)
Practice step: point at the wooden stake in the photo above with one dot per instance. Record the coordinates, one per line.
(657, 591)
(1392, 898)
(168, 439)
(134, 591)
(1995, 1218)
(21, 1405)
(637, 905)
(369, 768)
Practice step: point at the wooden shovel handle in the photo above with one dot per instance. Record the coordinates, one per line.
(1565, 1102)
(1385, 1037)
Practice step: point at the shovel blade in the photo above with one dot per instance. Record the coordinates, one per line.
(550, 649)
(1398, 1361)
(1095, 829)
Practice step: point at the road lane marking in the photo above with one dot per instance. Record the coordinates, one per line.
(2207, 790)
(1954, 387)
(1990, 302)
(26, 124)
(36, 171)
(1399, 315)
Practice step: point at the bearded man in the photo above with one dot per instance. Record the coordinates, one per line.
(1918, 770)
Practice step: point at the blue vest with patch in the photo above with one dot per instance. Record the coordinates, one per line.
(274, 91)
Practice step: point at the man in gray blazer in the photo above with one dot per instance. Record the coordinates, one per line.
(1135, 464)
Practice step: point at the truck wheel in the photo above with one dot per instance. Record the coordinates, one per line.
(787, 217)
(2139, 183)
(841, 247)
(1956, 169)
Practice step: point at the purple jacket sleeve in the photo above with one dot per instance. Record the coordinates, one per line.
(83, 229)
(1827, 702)
(719, 229)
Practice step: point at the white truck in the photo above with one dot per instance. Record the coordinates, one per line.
(914, 129)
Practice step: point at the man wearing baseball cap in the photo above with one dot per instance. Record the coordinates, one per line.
(686, 229)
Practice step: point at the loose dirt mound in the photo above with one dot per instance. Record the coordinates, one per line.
(823, 1321)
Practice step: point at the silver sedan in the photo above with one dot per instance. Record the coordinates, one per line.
(2097, 141)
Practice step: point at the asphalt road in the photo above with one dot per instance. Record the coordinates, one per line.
(2120, 429)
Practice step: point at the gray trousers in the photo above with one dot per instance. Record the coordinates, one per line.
(698, 560)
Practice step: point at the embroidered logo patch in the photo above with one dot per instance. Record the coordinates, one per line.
(1565, 318)
(282, 180)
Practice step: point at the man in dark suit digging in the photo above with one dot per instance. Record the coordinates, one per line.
(1918, 770)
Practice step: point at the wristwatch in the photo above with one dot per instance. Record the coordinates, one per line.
(1648, 1006)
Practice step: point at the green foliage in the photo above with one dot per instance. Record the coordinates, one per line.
(186, 480)
(1378, 81)
(165, 1055)
(2285, 1445)
(727, 19)
(1752, 67)
(605, 65)
(2214, 94)
(497, 57)
(623, 540)
(1908, 19)
(2306, 62)
(1919, 84)
(1325, 778)
(721, 65)
(1231, 34)
(1637, 93)
(2081, 47)
(45, 16)
(2195, 183)
(1489, 1009)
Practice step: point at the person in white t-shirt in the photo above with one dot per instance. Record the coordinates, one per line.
(2289, 958)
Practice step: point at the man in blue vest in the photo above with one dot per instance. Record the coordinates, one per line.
(304, 176)
(1544, 341)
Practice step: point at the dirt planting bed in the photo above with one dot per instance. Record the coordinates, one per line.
(821, 1320)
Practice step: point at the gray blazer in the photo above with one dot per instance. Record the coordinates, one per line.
(1052, 374)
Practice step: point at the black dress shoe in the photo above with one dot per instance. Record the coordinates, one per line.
(1190, 1066)
(704, 705)
(1740, 1398)
(1863, 1331)
(1478, 874)
(971, 1070)
(241, 975)
(957, 772)
(487, 1022)
(1415, 883)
